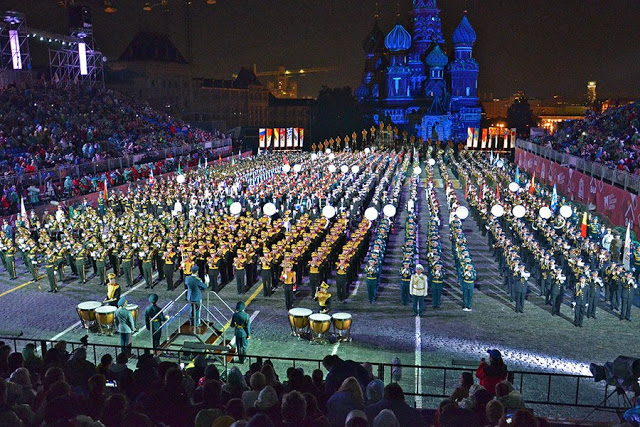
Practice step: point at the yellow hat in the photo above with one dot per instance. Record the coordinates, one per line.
(324, 285)
(111, 276)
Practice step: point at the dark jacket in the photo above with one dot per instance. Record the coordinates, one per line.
(406, 415)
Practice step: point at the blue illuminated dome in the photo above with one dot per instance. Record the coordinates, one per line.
(398, 39)
(437, 58)
(464, 34)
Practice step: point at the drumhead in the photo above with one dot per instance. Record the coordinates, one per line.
(320, 317)
(341, 316)
(132, 307)
(300, 312)
(89, 305)
(105, 309)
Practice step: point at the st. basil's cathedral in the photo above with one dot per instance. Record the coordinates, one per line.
(410, 81)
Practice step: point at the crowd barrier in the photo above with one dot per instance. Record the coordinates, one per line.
(617, 204)
(537, 388)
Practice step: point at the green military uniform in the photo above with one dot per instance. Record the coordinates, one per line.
(437, 282)
(242, 324)
(154, 321)
(51, 262)
(169, 261)
(468, 280)
(100, 256)
(11, 261)
(147, 266)
(126, 257)
(372, 280)
(79, 261)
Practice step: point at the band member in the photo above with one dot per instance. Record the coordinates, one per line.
(51, 262)
(627, 285)
(289, 279)
(195, 286)
(169, 259)
(113, 291)
(372, 280)
(324, 297)
(238, 265)
(405, 278)
(468, 280)
(580, 301)
(265, 273)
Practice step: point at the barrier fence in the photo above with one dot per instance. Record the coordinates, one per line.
(436, 382)
(38, 178)
(621, 179)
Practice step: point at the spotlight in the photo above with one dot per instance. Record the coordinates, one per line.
(147, 7)
(211, 1)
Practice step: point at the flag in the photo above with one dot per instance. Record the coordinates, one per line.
(466, 190)
(179, 168)
(491, 158)
(554, 199)
(583, 226)
(233, 161)
(517, 180)
(498, 192)
(23, 212)
(219, 158)
(626, 257)
(497, 159)
(151, 179)
(106, 194)
(532, 186)
(205, 162)
(284, 159)
(199, 162)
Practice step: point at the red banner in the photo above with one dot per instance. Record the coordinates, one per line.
(616, 204)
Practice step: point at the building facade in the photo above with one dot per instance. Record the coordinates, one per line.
(410, 81)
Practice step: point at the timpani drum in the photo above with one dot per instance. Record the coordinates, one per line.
(299, 320)
(87, 313)
(104, 317)
(135, 310)
(342, 326)
(319, 324)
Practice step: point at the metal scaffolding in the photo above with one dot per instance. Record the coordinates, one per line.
(80, 64)
(14, 43)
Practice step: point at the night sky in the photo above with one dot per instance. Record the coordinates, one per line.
(544, 47)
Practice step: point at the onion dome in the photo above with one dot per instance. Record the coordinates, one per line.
(464, 34)
(374, 42)
(437, 58)
(398, 39)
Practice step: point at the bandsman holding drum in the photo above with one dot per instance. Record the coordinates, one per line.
(324, 298)
(113, 290)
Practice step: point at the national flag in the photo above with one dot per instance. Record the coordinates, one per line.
(179, 168)
(583, 226)
(466, 190)
(199, 162)
(206, 163)
(554, 199)
(517, 180)
(497, 159)
(152, 180)
(498, 192)
(219, 158)
(284, 159)
(532, 186)
(233, 161)
(626, 255)
(105, 194)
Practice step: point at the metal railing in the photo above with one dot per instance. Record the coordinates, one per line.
(437, 382)
(39, 177)
(621, 179)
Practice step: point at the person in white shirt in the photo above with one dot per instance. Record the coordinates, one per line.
(418, 288)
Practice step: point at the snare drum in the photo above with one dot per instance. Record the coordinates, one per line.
(87, 313)
(104, 316)
(342, 326)
(320, 324)
(133, 308)
(299, 320)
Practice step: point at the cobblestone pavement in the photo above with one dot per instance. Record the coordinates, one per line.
(530, 341)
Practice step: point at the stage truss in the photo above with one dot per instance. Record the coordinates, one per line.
(14, 43)
(68, 68)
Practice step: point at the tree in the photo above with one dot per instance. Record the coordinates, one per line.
(337, 113)
(520, 115)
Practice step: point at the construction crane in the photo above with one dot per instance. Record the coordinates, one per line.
(282, 86)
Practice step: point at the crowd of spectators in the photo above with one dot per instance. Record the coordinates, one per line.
(610, 138)
(62, 389)
(42, 126)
